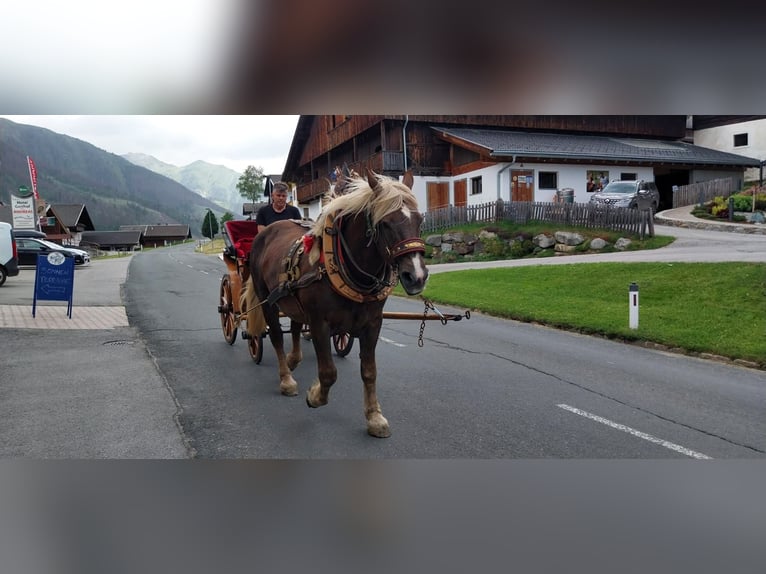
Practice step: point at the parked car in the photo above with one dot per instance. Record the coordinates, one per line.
(29, 233)
(9, 265)
(626, 193)
(28, 248)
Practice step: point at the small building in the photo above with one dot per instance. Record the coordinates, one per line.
(112, 240)
(64, 223)
(165, 234)
(250, 210)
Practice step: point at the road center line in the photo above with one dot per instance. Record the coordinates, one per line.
(392, 342)
(672, 446)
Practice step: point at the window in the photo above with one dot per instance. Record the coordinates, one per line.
(740, 140)
(475, 185)
(547, 180)
(628, 176)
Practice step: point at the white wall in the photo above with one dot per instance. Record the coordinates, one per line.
(573, 176)
(721, 138)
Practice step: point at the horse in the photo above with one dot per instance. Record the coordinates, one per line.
(336, 279)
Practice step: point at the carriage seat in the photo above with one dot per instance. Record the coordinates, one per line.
(241, 235)
(242, 247)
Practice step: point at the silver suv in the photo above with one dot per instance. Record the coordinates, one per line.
(627, 193)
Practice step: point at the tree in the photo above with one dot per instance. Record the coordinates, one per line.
(209, 225)
(250, 184)
(228, 216)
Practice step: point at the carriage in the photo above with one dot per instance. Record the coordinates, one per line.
(330, 280)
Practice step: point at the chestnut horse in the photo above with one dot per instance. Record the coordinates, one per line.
(336, 280)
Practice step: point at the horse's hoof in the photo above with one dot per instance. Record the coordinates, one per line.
(289, 389)
(308, 402)
(378, 427)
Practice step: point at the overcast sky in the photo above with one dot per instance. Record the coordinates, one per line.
(233, 141)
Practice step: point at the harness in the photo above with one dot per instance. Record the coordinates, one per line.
(336, 262)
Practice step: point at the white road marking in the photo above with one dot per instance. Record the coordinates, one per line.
(391, 342)
(653, 439)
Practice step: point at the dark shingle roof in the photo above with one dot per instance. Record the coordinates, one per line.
(72, 215)
(168, 230)
(502, 143)
(108, 238)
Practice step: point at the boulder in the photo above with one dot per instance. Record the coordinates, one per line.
(598, 243)
(434, 240)
(544, 241)
(622, 243)
(569, 238)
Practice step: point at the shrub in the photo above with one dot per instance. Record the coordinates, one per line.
(522, 248)
(495, 247)
(742, 202)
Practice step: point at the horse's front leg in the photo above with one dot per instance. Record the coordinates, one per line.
(287, 384)
(295, 356)
(318, 393)
(377, 425)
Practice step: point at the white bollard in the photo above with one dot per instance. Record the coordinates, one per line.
(633, 305)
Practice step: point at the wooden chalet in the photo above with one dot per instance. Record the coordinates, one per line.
(249, 210)
(466, 160)
(161, 234)
(129, 240)
(65, 222)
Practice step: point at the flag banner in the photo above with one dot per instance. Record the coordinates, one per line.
(33, 176)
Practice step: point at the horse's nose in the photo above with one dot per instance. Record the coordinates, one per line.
(414, 283)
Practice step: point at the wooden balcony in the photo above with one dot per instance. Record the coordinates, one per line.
(389, 163)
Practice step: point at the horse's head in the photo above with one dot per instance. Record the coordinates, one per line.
(398, 229)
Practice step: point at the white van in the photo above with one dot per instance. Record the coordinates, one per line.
(9, 263)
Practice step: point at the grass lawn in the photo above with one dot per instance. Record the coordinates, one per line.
(717, 308)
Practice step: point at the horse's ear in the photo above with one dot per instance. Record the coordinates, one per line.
(371, 178)
(408, 180)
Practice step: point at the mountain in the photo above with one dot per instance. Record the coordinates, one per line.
(114, 191)
(217, 183)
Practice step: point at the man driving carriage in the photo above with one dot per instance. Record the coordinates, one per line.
(278, 209)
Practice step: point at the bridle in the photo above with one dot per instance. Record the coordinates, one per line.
(348, 278)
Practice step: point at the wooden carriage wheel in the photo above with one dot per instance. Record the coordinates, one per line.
(343, 344)
(226, 311)
(255, 348)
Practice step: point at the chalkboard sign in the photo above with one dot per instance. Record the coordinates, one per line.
(54, 279)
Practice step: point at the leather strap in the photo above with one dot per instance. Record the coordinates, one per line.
(334, 275)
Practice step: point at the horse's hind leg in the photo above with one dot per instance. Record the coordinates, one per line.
(287, 385)
(295, 356)
(318, 393)
(377, 425)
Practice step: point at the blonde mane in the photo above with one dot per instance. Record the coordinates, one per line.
(389, 196)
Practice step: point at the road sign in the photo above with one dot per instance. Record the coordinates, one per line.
(54, 279)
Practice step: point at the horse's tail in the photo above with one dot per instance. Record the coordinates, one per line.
(251, 310)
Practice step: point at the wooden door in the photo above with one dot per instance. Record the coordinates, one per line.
(461, 193)
(522, 185)
(437, 194)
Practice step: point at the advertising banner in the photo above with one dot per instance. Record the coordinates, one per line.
(24, 213)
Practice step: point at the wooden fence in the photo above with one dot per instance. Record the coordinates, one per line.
(703, 191)
(522, 212)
